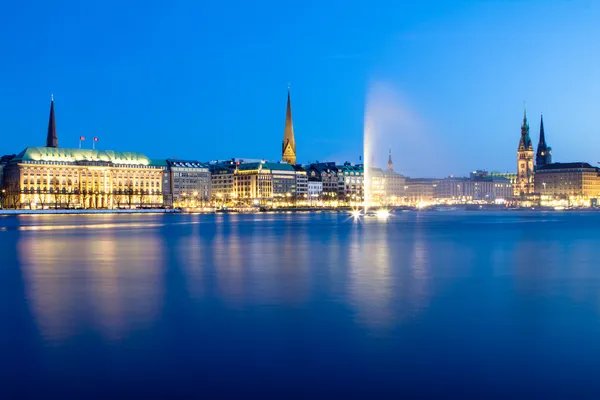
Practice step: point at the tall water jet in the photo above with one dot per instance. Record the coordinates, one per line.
(368, 158)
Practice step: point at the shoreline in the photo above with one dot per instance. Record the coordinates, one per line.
(87, 212)
(433, 209)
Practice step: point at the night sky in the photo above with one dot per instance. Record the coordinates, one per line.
(445, 81)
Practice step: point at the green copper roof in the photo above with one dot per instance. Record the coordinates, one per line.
(267, 165)
(48, 154)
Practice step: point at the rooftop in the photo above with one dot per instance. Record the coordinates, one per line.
(266, 165)
(185, 163)
(572, 165)
(53, 154)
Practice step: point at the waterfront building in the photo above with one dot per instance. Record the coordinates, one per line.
(53, 177)
(488, 190)
(49, 177)
(576, 183)
(480, 187)
(420, 190)
(524, 185)
(377, 186)
(511, 176)
(288, 147)
(187, 183)
(301, 183)
(222, 180)
(393, 187)
(450, 189)
(315, 189)
(544, 152)
(264, 181)
(327, 173)
(350, 182)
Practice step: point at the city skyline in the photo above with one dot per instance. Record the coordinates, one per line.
(459, 118)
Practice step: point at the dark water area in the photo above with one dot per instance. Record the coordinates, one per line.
(301, 305)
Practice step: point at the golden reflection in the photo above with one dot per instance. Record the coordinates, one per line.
(227, 255)
(370, 284)
(87, 226)
(191, 254)
(107, 281)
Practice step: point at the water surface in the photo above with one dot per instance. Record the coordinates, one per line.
(311, 305)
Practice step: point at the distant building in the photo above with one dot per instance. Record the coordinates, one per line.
(544, 152)
(450, 188)
(524, 184)
(262, 181)
(222, 180)
(52, 177)
(189, 183)
(301, 182)
(420, 190)
(350, 182)
(288, 147)
(512, 177)
(393, 187)
(377, 186)
(480, 187)
(327, 173)
(568, 181)
(315, 189)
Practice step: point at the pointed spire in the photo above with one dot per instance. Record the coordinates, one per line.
(542, 134)
(51, 138)
(288, 148)
(544, 153)
(390, 163)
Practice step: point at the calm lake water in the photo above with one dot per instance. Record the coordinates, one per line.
(304, 305)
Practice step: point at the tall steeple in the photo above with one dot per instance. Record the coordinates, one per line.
(51, 138)
(543, 155)
(288, 148)
(525, 169)
(525, 142)
(390, 163)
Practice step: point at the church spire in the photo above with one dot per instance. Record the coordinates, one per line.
(51, 138)
(544, 153)
(390, 163)
(288, 148)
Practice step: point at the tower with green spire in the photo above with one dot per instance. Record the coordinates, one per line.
(524, 184)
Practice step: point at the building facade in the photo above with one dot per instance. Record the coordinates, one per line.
(420, 190)
(301, 183)
(265, 181)
(188, 183)
(49, 177)
(327, 173)
(576, 182)
(53, 177)
(350, 182)
(315, 189)
(222, 181)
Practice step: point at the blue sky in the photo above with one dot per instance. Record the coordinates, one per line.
(208, 79)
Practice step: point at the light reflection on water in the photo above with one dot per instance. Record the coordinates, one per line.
(78, 282)
(308, 290)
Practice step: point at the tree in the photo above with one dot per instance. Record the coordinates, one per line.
(142, 198)
(118, 196)
(85, 195)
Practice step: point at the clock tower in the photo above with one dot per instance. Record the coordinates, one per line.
(524, 184)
